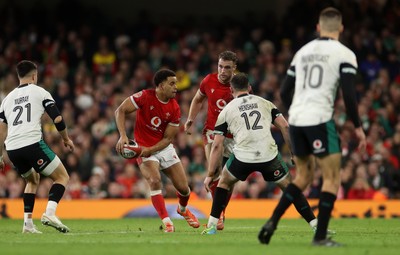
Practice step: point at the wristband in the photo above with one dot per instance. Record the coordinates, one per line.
(60, 126)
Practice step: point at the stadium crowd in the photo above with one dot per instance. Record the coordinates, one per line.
(90, 67)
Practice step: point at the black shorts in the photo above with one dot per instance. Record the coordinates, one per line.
(37, 156)
(272, 171)
(319, 140)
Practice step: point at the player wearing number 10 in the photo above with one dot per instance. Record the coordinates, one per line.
(316, 72)
(20, 130)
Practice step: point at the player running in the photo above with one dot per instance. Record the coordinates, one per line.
(157, 123)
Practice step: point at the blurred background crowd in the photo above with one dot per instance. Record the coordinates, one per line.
(91, 65)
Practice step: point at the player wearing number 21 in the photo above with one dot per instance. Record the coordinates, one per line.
(317, 70)
(20, 131)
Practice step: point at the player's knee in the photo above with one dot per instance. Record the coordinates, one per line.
(184, 191)
(154, 182)
(60, 175)
(302, 182)
(331, 185)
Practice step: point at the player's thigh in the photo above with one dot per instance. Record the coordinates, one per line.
(300, 143)
(38, 156)
(20, 161)
(238, 169)
(207, 150)
(284, 182)
(274, 170)
(150, 171)
(330, 166)
(227, 180)
(60, 175)
(177, 175)
(304, 170)
(323, 139)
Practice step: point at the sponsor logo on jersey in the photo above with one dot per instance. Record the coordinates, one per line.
(221, 103)
(212, 91)
(156, 121)
(40, 162)
(167, 115)
(277, 173)
(151, 108)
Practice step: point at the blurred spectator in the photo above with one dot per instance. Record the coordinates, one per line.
(360, 190)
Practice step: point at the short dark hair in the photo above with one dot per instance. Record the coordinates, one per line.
(228, 56)
(162, 75)
(330, 19)
(24, 67)
(240, 81)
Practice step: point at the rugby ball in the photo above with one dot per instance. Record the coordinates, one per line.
(131, 150)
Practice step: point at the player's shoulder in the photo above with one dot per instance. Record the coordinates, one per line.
(256, 98)
(342, 54)
(262, 101)
(210, 78)
(346, 50)
(144, 93)
(173, 101)
(37, 90)
(337, 48)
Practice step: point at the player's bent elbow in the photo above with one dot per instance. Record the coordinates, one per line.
(58, 119)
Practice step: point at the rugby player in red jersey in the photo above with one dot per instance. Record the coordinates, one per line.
(157, 123)
(215, 88)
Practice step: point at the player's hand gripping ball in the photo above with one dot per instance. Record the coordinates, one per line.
(131, 150)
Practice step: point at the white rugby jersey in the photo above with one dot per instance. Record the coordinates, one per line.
(249, 119)
(23, 108)
(316, 68)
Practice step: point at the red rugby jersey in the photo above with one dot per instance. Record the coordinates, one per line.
(153, 116)
(218, 95)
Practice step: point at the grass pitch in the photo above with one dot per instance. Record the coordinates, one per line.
(143, 236)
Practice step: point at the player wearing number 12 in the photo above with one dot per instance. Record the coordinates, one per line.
(249, 119)
(20, 131)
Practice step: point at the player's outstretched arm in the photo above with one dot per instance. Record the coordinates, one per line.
(195, 107)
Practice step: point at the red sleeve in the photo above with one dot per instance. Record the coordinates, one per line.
(203, 84)
(139, 98)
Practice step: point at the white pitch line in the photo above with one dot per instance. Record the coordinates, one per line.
(103, 232)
